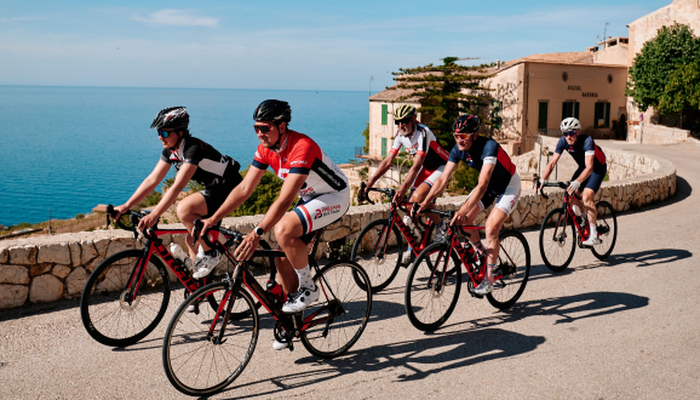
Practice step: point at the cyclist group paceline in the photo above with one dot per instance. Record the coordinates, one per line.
(500, 264)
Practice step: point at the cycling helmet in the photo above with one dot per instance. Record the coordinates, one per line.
(404, 111)
(273, 111)
(174, 118)
(570, 124)
(466, 123)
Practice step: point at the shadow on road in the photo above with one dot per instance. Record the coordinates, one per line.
(476, 341)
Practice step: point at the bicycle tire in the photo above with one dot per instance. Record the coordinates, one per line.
(105, 310)
(369, 252)
(513, 268)
(606, 225)
(198, 364)
(432, 291)
(337, 281)
(557, 247)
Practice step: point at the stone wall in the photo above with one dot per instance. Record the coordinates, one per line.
(48, 268)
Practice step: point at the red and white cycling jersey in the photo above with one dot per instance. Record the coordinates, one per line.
(299, 154)
(422, 142)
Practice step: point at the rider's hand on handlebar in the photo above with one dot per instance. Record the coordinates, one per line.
(460, 218)
(120, 210)
(148, 221)
(248, 245)
(573, 187)
(399, 198)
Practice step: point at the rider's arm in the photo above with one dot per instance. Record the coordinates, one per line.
(181, 179)
(550, 166)
(418, 159)
(146, 187)
(440, 184)
(381, 170)
(476, 194)
(237, 196)
(290, 188)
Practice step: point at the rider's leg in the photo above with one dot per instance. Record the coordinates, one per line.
(418, 195)
(189, 209)
(493, 244)
(588, 197)
(288, 232)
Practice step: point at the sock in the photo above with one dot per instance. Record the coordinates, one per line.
(593, 231)
(305, 278)
(489, 275)
(480, 246)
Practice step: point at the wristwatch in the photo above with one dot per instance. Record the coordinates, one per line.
(259, 231)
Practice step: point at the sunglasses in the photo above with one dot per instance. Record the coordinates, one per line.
(403, 121)
(262, 128)
(164, 134)
(570, 133)
(462, 136)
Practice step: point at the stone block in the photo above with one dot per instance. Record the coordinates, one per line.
(45, 288)
(58, 253)
(75, 282)
(38, 269)
(61, 271)
(4, 256)
(24, 255)
(14, 274)
(75, 253)
(12, 296)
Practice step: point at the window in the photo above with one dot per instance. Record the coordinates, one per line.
(385, 112)
(383, 147)
(569, 109)
(542, 119)
(602, 115)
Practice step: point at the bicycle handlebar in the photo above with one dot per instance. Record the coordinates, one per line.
(361, 193)
(134, 217)
(556, 184)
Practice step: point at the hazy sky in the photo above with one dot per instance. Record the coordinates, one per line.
(315, 45)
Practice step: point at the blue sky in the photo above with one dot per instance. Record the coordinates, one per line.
(308, 45)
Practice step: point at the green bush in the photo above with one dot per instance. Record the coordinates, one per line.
(80, 216)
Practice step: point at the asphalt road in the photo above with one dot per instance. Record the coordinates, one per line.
(621, 329)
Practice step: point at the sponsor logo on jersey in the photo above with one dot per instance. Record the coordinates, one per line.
(325, 211)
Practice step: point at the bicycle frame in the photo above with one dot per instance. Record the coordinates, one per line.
(242, 276)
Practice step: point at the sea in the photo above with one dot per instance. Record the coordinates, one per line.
(64, 150)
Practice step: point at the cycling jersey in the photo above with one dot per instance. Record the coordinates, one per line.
(298, 154)
(213, 168)
(487, 151)
(422, 142)
(584, 146)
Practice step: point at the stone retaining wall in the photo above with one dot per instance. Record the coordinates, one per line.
(48, 268)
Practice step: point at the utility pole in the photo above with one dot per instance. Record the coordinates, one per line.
(605, 32)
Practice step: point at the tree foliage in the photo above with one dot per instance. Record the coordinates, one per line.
(267, 191)
(667, 60)
(682, 91)
(445, 92)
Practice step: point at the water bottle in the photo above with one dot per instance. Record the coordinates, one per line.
(180, 254)
(577, 210)
(409, 223)
(275, 289)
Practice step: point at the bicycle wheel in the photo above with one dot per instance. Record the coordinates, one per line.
(512, 270)
(557, 247)
(111, 313)
(341, 295)
(606, 225)
(378, 250)
(197, 360)
(432, 290)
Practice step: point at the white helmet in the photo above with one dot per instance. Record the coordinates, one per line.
(570, 124)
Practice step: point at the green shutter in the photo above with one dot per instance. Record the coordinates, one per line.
(383, 147)
(385, 112)
(542, 120)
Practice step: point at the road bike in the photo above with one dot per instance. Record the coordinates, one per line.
(435, 278)
(562, 229)
(205, 351)
(127, 295)
(379, 247)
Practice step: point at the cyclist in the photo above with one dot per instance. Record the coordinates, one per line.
(429, 160)
(307, 172)
(589, 175)
(498, 181)
(194, 160)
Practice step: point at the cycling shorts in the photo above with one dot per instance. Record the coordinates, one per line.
(505, 201)
(322, 211)
(428, 176)
(215, 195)
(594, 181)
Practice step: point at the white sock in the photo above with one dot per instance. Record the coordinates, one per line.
(593, 230)
(305, 278)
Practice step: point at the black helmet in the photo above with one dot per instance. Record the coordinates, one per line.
(273, 111)
(172, 118)
(466, 123)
